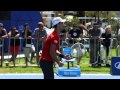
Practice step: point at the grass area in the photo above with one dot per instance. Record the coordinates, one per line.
(33, 68)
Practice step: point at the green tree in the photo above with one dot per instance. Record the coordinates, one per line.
(74, 20)
(101, 14)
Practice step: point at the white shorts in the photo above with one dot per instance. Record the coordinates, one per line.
(28, 50)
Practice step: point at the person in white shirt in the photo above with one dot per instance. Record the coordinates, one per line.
(101, 28)
(119, 32)
(119, 36)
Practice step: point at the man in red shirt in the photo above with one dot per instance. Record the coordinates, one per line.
(50, 49)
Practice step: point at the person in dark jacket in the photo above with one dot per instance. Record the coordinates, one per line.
(94, 35)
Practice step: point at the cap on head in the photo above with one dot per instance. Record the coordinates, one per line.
(57, 20)
(40, 23)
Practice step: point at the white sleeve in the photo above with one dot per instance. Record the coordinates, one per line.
(119, 32)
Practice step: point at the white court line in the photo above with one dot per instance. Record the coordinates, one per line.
(40, 76)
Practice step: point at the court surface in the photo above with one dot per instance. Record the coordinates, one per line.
(40, 76)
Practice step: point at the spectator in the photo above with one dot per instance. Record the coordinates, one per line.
(3, 34)
(100, 27)
(74, 33)
(101, 32)
(14, 43)
(27, 43)
(40, 34)
(106, 42)
(119, 36)
(94, 35)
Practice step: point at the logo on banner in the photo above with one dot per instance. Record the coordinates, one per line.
(117, 65)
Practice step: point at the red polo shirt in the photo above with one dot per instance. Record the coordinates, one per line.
(53, 38)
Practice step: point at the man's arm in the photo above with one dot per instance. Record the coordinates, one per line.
(63, 56)
(45, 34)
(9, 34)
(18, 34)
(80, 33)
(58, 52)
(53, 53)
(69, 35)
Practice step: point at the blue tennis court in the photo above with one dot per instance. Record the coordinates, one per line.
(40, 76)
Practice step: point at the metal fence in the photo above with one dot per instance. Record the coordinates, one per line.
(96, 50)
(6, 56)
(94, 47)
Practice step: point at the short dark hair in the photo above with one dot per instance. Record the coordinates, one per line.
(55, 26)
(12, 28)
(83, 22)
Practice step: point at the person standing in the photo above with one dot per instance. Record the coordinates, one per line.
(50, 50)
(14, 43)
(3, 34)
(106, 42)
(40, 35)
(27, 43)
(73, 35)
(94, 35)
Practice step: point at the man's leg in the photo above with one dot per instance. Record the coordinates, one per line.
(79, 55)
(13, 58)
(78, 60)
(37, 53)
(97, 54)
(32, 50)
(26, 51)
(47, 68)
(107, 58)
(91, 53)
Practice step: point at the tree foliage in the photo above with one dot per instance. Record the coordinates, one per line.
(102, 14)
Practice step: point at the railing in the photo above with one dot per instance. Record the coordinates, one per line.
(6, 57)
(97, 50)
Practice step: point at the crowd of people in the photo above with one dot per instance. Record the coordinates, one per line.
(27, 35)
(76, 34)
(97, 37)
